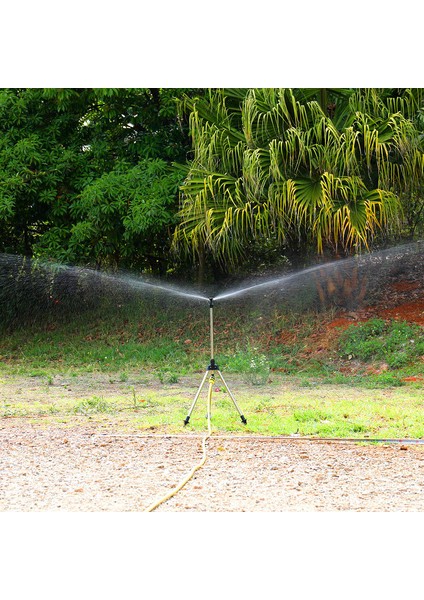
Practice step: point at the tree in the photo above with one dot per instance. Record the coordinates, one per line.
(38, 158)
(399, 116)
(121, 217)
(275, 166)
(86, 175)
(129, 192)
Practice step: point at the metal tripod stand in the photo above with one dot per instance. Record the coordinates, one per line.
(211, 370)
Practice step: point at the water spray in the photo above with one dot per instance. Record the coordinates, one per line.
(211, 370)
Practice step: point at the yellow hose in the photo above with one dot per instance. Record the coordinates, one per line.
(200, 464)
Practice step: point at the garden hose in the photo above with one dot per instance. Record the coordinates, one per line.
(153, 506)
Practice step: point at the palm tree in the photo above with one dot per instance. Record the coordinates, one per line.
(281, 165)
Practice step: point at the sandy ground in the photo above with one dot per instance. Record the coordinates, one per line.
(86, 469)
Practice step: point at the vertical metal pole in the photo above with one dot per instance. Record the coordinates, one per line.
(211, 329)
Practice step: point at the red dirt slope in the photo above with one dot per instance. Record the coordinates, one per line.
(403, 301)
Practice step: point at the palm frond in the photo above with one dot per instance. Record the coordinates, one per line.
(268, 163)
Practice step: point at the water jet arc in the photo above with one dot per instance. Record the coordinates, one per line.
(211, 370)
(284, 279)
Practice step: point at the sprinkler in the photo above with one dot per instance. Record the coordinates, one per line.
(211, 370)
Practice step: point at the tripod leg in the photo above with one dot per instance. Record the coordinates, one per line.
(187, 419)
(243, 420)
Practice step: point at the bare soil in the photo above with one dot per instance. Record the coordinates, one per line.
(89, 469)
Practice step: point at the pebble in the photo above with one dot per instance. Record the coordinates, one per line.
(41, 472)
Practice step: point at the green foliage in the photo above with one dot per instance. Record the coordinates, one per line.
(252, 364)
(121, 217)
(38, 155)
(280, 165)
(86, 176)
(397, 342)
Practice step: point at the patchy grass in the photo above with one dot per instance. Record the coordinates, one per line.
(290, 373)
(330, 411)
(281, 407)
(397, 343)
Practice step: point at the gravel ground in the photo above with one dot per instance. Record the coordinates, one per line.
(83, 469)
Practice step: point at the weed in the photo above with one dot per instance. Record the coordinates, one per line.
(7, 410)
(135, 401)
(252, 364)
(264, 406)
(38, 373)
(384, 380)
(306, 415)
(93, 405)
(358, 428)
(173, 378)
(167, 377)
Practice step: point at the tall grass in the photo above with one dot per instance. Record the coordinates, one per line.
(173, 340)
(135, 335)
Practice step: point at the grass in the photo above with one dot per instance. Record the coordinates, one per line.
(358, 387)
(113, 337)
(279, 408)
(92, 405)
(396, 342)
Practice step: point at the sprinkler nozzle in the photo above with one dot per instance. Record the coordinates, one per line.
(210, 302)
